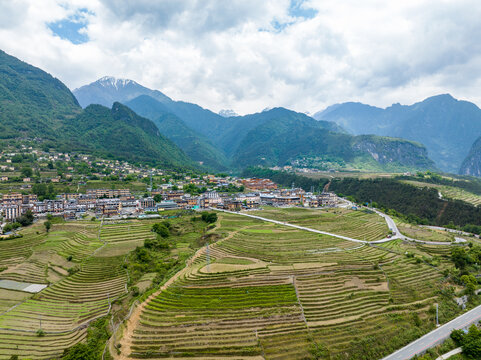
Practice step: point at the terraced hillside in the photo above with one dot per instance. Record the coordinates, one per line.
(266, 291)
(359, 224)
(450, 192)
(81, 288)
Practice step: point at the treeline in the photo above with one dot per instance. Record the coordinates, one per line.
(285, 179)
(419, 203)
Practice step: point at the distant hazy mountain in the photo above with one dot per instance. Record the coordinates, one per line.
(277, 137)
(108, 90)
(446, 126)
(35, 105)
(282, 140)
(472, 164)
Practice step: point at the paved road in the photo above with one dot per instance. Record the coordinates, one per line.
(436, 336)
(293, 226)
(427, 341)
(390, 223)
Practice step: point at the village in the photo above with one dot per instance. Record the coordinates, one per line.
(122, 203)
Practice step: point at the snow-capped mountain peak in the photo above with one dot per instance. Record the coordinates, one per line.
(110, 81)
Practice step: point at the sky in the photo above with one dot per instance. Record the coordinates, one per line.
(248, 55)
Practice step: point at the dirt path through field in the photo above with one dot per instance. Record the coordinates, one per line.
(134, 320)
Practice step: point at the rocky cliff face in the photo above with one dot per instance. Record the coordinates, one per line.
(472, 164)
(387, 150)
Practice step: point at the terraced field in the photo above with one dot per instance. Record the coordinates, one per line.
(355, 224)
(450, 192)
(270, 292)
(74, 298)
(123, 237)
(420, 233)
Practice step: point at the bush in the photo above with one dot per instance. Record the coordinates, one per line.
(161, 229)
(209, 217)
(78, 352)
(40, 333)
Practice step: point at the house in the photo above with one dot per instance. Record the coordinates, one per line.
(259, 184)
(4, 178)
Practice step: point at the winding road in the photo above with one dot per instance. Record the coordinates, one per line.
(389, 221)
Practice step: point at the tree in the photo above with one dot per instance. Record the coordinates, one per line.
(78, 352)
(459, 257)
(209, 217)
(158, 198)
(472, 343)
(26, 171)
(26, 219)
(161, 229)
(47, 225)
(457, 336)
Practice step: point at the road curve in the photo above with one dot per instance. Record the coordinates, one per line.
(436, 336)
(397, 236)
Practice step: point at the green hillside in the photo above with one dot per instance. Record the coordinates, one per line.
(194, 144)
(35, 105)
(121, 133)
(32, 102)
(283, 140)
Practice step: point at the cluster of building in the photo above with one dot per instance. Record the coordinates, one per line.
(121, 202)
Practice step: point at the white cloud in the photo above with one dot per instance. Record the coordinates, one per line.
(247, 54)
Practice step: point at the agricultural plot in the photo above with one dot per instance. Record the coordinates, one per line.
(266, 291)
(123, 237)
(425, 234)
(80, 289)
(355, 224)
(450, 192)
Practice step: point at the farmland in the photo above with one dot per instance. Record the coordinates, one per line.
(450, 192)
(264, 291)
(362, 225)
(243, 288)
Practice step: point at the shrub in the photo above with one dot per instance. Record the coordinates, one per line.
(161, 229)
(40, 333)
(209, 217)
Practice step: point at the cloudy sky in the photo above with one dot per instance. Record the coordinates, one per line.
(247, 55)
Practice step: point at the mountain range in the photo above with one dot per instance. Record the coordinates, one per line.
(119, 118)
(446, 126)
(35, 105)
(273, 137)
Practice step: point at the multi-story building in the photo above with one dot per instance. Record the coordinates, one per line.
(109, 193)
(259, 184)
(11, 212)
